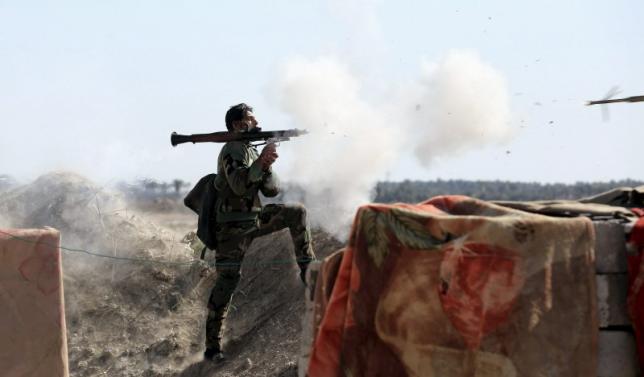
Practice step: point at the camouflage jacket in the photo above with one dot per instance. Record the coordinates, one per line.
(240, 178)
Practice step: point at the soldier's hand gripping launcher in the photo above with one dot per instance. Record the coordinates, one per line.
(224, 137)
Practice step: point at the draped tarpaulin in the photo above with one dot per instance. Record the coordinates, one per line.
(459, 287)
(32, 318)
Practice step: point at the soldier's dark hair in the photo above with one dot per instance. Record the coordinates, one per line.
(236, 113)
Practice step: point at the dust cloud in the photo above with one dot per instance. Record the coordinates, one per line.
(455, 104)
(125, 313)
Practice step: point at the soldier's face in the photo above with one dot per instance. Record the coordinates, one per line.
(247, 123)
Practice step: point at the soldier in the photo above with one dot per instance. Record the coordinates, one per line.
(242, 173)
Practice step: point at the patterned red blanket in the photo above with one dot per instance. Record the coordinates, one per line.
(458, 287)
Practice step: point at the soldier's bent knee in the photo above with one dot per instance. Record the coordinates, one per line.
(297, 211)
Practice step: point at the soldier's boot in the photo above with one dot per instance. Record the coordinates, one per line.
(303, 264)
(214, 332)
(218, 303)
(212, 354)
(302, 242)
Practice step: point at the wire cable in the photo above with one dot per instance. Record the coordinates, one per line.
(149, 260)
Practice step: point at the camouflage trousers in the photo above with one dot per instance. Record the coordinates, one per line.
(233, 241)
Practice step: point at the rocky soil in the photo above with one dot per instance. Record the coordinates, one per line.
(138, 307)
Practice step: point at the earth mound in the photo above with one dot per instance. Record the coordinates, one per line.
(136, 293)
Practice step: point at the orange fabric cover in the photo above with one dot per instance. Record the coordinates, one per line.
(32, 318)
(460, 287)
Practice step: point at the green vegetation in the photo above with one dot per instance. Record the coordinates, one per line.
(417, 191)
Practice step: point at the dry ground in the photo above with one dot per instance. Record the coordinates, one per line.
(131, 318)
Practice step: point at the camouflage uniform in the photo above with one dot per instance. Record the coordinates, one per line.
(240, 218)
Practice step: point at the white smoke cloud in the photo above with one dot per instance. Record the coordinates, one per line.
(456, 104)
(349, 144)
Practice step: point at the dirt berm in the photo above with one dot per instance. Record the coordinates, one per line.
(138, 307)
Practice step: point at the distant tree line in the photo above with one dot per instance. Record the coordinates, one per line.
(153, 189)
(388, 192)
(417, 191)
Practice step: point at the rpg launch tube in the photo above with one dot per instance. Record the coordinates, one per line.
(224, 137)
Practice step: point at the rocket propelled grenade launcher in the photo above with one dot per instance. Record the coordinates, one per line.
(224, 137)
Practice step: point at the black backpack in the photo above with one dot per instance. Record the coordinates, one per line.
(202, 199)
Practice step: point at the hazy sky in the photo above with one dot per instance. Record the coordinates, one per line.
(98, 86)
